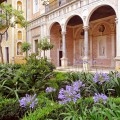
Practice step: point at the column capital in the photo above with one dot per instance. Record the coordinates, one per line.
(86, 28)
(116, 20)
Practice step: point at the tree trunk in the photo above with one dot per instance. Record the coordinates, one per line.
(44, 53)
(1, 53)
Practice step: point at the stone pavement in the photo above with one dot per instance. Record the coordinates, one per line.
(80, 69)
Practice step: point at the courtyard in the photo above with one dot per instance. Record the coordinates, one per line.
(60, 60)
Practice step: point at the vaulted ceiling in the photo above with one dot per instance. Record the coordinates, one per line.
(101, 12)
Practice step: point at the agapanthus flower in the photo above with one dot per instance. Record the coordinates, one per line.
(77, 84)
(71, 93)
(100, 78)
(28, 101)
(100, 98)
(50, 89)
(118, 75)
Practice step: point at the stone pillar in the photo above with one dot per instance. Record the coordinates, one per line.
(113, 49)
(117, 58)
(85, 58)
(64, 58)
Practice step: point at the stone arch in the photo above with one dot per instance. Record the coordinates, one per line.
(19, 5)
(51, 25)
(96, 7)
(78, 30)
(56, 39)
(68, 18)
(107, 25)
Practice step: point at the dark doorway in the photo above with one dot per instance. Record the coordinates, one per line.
(7, 54)
(60, 56)
(36, 46)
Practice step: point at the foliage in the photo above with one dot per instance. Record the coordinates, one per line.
(10, 17)
(8, 12)
(25, 47)
(17, 80)
(35, 73)
(7, 111)
(45, 45)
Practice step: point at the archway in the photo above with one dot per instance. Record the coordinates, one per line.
(56, 40)
(74, 40)
(102, 37)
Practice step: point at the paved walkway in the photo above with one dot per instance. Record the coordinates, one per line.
(80, 69)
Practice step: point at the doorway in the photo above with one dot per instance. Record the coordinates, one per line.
(7, 54)
(60, 56)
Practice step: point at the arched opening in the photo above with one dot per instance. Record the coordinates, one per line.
(19, 48)
(19, 5)
(103, 37)
(19, 35)
(56, 40)
(74, 40)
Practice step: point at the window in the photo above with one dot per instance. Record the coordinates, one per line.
(36, 46)
(19, 35)
(35, 6)
(19, 6)
(19, 48)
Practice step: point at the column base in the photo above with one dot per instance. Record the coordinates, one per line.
(86, 66)
(64, 62)
(117, 63)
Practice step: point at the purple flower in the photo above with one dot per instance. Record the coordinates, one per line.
(71, 93)
(28, 101)
(100, 78)
(50, 89)
(118, 75)
(101, 98)
(77, 85)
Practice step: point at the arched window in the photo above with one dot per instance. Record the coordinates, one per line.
(19, 5)
(19, 50)
(19, 35)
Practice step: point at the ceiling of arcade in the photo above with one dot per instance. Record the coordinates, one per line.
(101, 12)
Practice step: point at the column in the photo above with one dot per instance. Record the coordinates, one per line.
(85, 58)
(117, 58)
(113, 49)
(64, 59)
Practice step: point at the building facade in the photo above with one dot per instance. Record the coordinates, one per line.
(85, 32)
(14, 37)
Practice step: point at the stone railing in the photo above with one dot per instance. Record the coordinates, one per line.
(56, 4)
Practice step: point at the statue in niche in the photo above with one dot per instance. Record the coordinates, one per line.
(19, 51)
(101, 48)
(19, 7)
